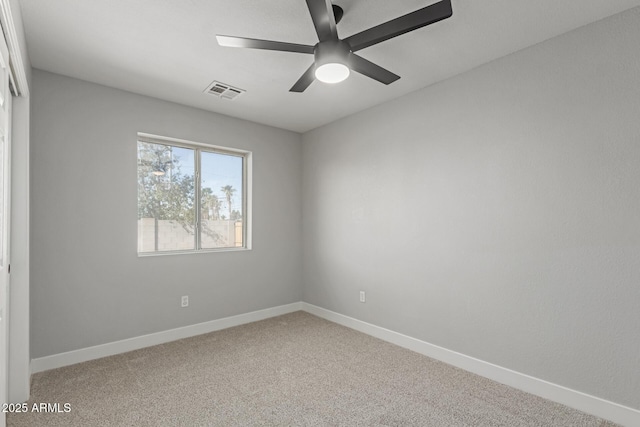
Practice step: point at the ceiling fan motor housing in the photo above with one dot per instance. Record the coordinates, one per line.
(332, 51)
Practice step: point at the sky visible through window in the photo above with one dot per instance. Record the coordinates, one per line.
(218, 171)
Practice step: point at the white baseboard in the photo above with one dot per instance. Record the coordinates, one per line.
(117, 347)
(575, 399)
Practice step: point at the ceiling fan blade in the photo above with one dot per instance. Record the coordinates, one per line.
(307, 78)
(231, 41)
(369, 69)
(396, 27)
(323, 19)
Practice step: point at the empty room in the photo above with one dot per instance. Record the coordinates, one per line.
(320, 213)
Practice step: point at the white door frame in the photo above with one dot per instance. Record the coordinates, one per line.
(5, 222)
(19, 351)
(9, 26)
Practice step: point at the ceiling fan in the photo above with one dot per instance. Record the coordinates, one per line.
(335, 58)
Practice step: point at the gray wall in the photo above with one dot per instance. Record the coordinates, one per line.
(89, 287)
(496, 214)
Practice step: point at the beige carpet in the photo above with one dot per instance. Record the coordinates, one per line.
(292, 370)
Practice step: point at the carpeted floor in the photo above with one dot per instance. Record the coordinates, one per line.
(292, 370)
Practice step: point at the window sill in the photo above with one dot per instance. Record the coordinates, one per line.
(190, 252)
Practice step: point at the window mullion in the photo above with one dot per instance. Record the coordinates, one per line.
(245, 214)
(198, 197)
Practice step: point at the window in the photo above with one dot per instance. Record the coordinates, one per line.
(191, 197)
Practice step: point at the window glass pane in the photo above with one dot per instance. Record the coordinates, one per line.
(166, 198)
(221, 201)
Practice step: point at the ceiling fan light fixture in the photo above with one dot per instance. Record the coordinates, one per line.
(331, 62)
(332, 72)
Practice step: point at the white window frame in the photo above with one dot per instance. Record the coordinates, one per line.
(198, 147)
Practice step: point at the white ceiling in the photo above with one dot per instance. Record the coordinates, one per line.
(167, 48)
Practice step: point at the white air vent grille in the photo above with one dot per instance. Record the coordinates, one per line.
(223, 90)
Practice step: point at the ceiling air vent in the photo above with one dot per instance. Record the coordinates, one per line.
(223, 90)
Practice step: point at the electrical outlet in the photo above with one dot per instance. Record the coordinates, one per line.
(363, 297)
(185, 301)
